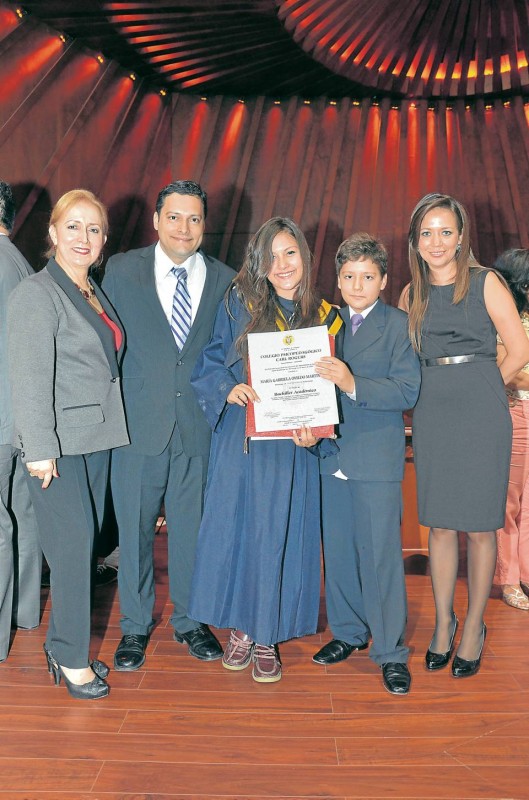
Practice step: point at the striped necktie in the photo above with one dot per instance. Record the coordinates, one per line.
(181, 313)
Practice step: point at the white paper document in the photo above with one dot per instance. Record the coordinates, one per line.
(282, 373)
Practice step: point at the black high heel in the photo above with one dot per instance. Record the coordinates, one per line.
(439, 660)
(461, 668)
(92, 690)
(99, 667)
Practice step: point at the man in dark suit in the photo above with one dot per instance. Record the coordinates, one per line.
(378, 376)
(166, 296)
(20, 555)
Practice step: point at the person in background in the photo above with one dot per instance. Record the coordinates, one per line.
(166, 296)
(257, 567)
(65, 342)
(512, 565)
(461, 424)
(20, 554)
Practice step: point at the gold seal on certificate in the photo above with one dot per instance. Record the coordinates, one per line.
(292, 394)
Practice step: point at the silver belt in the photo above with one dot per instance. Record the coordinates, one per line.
(439, 362)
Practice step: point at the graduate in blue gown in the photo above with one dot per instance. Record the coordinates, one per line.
(257, 567)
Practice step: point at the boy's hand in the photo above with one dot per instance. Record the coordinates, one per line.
(332, 369)
(304, 437)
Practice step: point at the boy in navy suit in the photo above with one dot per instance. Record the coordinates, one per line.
(378, 377)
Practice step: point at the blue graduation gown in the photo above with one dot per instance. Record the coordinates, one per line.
(257, 563)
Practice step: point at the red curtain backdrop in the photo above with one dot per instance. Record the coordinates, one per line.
(68, 120)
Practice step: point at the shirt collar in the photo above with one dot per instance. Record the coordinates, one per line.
(164, 265)
(365, 312)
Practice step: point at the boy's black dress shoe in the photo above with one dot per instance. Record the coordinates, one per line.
(396, 677)
(336, 651)
(130, 652)
(202, 643)
(461, 668)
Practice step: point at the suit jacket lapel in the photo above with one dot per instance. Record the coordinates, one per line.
(148, 285)
(88, 313)
(368, 333)
(204, 310)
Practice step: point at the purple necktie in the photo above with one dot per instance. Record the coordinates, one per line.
(356, 321)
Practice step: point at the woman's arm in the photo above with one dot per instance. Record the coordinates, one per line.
(404, 299)
(521, 379)
(32, 325)
(503, 313)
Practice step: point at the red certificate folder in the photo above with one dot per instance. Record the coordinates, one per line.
(321, 432)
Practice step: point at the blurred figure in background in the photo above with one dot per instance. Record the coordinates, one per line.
(512, 566)
(20, 554)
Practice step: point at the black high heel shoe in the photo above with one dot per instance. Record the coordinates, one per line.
(92, 690)
(461, 668)
(99, 667)
(439, 660)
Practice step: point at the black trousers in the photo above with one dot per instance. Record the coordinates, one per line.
(69, 514)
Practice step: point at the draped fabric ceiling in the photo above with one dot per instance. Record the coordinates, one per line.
(339, 113)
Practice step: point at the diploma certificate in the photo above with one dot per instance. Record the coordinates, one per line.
(281, 370)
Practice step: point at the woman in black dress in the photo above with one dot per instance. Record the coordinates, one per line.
(461, 424)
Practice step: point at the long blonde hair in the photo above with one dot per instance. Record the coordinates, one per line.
(420, 272)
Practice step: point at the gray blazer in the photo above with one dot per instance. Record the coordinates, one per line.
(13, 268)
(387, 379)
(156, 375)
(63, 369)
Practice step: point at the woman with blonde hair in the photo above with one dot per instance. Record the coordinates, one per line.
(461, 423)
(65, 342)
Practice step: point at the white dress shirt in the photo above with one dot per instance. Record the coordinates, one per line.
(165, 280)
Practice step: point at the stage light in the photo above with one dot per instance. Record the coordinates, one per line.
(204, 99)
(507, 104)
(62, 37)
(306, 102)
(163, 92)
(21, 12)
(100, 58)
(277, 102)
(132, 76)
(240, 100)
(332, 102)
(488, 107)
(356, 102)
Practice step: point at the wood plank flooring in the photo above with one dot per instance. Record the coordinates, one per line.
(183, 729)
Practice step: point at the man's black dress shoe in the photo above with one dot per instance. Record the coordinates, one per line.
(396, 677)
(130, 652)
(461, 668)
(439, 660)
(336, 650)
(202, 643)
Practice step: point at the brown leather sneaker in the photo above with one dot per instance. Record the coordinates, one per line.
(238, 652)
(266, 664)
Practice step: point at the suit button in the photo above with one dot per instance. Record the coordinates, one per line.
(22, 453)
(179, 363)
(112, 380)
(179, 394)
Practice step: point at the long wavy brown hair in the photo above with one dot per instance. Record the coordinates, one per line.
(420, 272)
(256, 292)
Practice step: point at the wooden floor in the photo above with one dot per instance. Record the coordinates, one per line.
(180, 728)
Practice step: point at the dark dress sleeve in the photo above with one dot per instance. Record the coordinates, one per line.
(219, 367)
